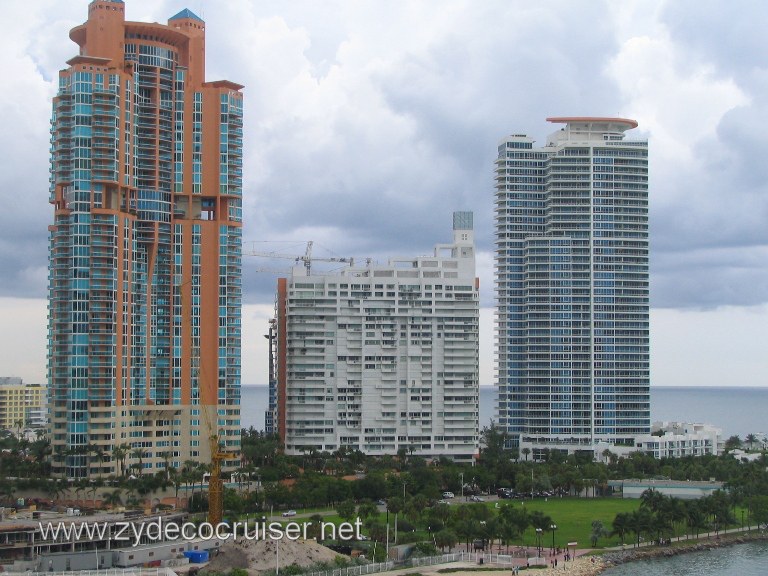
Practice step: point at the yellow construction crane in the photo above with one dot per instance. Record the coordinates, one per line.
(215, 483)
(306, 259)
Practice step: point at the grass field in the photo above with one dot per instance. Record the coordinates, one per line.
(573, 518)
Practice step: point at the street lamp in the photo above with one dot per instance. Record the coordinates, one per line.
(553, 527)
(461, 474)
(538, 542)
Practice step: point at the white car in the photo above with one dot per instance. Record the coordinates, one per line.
(443, 502)
(288, 513)
(448, 495)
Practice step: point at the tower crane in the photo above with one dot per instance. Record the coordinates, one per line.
(215, 483)
(306, 259)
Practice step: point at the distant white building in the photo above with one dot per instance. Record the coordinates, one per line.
(743, 456)
(670, 440)
(382, 358)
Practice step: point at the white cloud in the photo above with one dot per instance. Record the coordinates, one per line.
(679, 102)
(718, 347)
(23, 339)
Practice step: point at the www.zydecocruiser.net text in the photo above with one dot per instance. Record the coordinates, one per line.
(159, 530)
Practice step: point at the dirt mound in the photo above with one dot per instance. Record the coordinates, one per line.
(261, 555)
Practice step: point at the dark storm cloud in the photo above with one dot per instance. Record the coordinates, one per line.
(425, 146)
(368, 124)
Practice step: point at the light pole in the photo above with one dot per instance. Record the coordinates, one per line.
(538, 542)
(461, 475)
(553, 527)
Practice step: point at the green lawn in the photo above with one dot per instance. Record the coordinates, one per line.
(573, 518)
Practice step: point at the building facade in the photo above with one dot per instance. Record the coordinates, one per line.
(22, 405)
(382, 359)
(144, 267)
(572, 333)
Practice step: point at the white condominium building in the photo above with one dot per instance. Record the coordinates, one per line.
(382, 358)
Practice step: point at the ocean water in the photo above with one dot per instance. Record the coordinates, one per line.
(739, 411)
(740, 560)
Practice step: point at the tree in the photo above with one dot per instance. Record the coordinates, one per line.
(639, 522)
(751, 439)
(695, 518)
(759, 510)
(598, 531)
(395, 505)
(367, 510)
(119, 454)
(138, 453)
(526, 452)
(621, 525)
(732, 443)
(346, 510)
(446, 538)
(652, 499)
(114, 498)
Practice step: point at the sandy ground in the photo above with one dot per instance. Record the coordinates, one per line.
(583, 566)
(259, 555)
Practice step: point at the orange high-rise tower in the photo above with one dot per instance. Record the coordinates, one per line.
(145, 272)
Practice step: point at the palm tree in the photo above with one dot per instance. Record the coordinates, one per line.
(95, 485)
(622, 523)
(395, 505)
(138, 453)
(118, 454)
(640, 521)
(113, 498)
(652, 499)
(526, 452)
(166, 456)
(751, 439)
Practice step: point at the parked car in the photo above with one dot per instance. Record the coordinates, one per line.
(288, 513)
(448, 495)
(477, 499)
(443, 501)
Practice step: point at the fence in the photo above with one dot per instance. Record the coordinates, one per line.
(431, 560)
(106, 572)
(355, 570)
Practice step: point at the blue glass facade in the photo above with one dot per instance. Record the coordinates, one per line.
(572, 286)
(145, 242)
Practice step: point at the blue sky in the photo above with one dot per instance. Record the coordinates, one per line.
(368, 122)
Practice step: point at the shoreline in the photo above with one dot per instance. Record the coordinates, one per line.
(614, 558)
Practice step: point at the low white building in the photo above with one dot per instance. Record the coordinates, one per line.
(743, 456)
(669, 440)
(684, 490)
